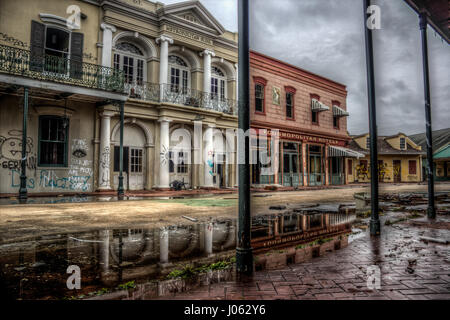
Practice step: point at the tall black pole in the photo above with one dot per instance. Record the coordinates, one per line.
(244, 254)
(374, 218)
(23, 174)
(426, 86)
(120, 190)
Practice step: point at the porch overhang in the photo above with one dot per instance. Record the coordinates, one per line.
(47, 86)
(339, 112)
(335, 151)
(318, 106)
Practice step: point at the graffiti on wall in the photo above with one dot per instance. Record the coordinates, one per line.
(50, 180)
(78, 175)
(105, 159)
(11, 151)
(363, 172)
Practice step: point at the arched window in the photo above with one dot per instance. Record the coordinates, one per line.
(130, 59)
(179, 74)
(218, 83)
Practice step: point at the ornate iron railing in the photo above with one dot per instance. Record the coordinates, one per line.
(182, 96)
(60, 69)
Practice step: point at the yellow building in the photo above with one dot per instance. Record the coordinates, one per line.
(75, 61)
(399, 159)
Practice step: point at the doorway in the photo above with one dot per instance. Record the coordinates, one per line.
(315, 166)
(133, 167)
(291, 168)
(397, 164)
(337, 170)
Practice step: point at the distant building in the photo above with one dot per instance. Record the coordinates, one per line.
(309, 114)
(441, 153)
(399, 159)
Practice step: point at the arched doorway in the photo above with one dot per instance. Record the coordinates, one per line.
(134, 156)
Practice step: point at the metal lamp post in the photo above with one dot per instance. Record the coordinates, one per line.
(374, 218)
(244, 254)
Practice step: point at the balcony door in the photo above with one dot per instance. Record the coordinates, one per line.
(131, 60)
(178, 75)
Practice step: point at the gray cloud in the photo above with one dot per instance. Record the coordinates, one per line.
(326, 37)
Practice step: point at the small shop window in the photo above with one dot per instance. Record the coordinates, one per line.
(412, 167)
(53, 132)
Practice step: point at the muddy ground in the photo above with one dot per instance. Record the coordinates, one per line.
(30, 220)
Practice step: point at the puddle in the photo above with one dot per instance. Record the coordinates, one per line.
(36, 268)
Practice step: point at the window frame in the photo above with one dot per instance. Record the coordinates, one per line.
(186, 69)
(261, 82)
(290, 91)
(404, 143)
(69, 49)
(410, 167)
(136, 58)
(66, 147)
(221, 84)
(315, 123)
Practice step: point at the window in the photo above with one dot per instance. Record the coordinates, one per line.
(178, 75)
(259, 98)
(336, 122)
(182, 166)
(363, 164)
(315, 117)
(368, 143)
(57, 42)
(136, 161)
(130, 59)
(218, 89)
(289, 105)
(350, 167)
(53, 141)
(171, 163)
(412, 167)
(402, 143)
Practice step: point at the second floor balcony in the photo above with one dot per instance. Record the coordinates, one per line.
(60, 69)
(175, 94)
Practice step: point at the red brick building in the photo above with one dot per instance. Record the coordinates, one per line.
(310, 113)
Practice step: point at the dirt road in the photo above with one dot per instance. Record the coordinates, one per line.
(18, 221)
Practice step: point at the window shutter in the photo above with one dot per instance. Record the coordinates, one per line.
(37, 46)
(76, 55)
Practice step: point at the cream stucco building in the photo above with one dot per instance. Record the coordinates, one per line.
(73, 63)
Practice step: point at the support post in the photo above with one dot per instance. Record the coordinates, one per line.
(426, 85)
(375, 226)
(244, 254)
(120, 190)
(23, 194)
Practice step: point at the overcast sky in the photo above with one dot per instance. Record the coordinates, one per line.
(326, 37)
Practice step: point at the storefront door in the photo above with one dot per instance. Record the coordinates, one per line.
(337, 170)
(291, 176)
(315, 166)
(136, 169)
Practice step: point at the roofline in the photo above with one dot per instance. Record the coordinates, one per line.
(418, 10)
(298, 69)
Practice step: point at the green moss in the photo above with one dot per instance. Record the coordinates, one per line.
(128, 285)
(188, 271)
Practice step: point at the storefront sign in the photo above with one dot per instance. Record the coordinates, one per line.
(189, 35)
(300, 137)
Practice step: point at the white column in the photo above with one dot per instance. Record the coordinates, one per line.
(208, 156)
(207, 54)
(164, 153)
(104, 250)
(164, 57)
(237, 82)
(108, 31)
(198, 148)
(105, 151)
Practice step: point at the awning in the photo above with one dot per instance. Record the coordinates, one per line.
(318, 106)
(340, 112)
(335, 151)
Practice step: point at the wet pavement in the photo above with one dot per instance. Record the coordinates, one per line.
(411, 269)
(35, 268)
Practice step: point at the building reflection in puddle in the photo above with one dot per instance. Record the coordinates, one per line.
(36, 268)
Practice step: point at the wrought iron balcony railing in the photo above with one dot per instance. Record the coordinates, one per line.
(175, 94)
(60, 69)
